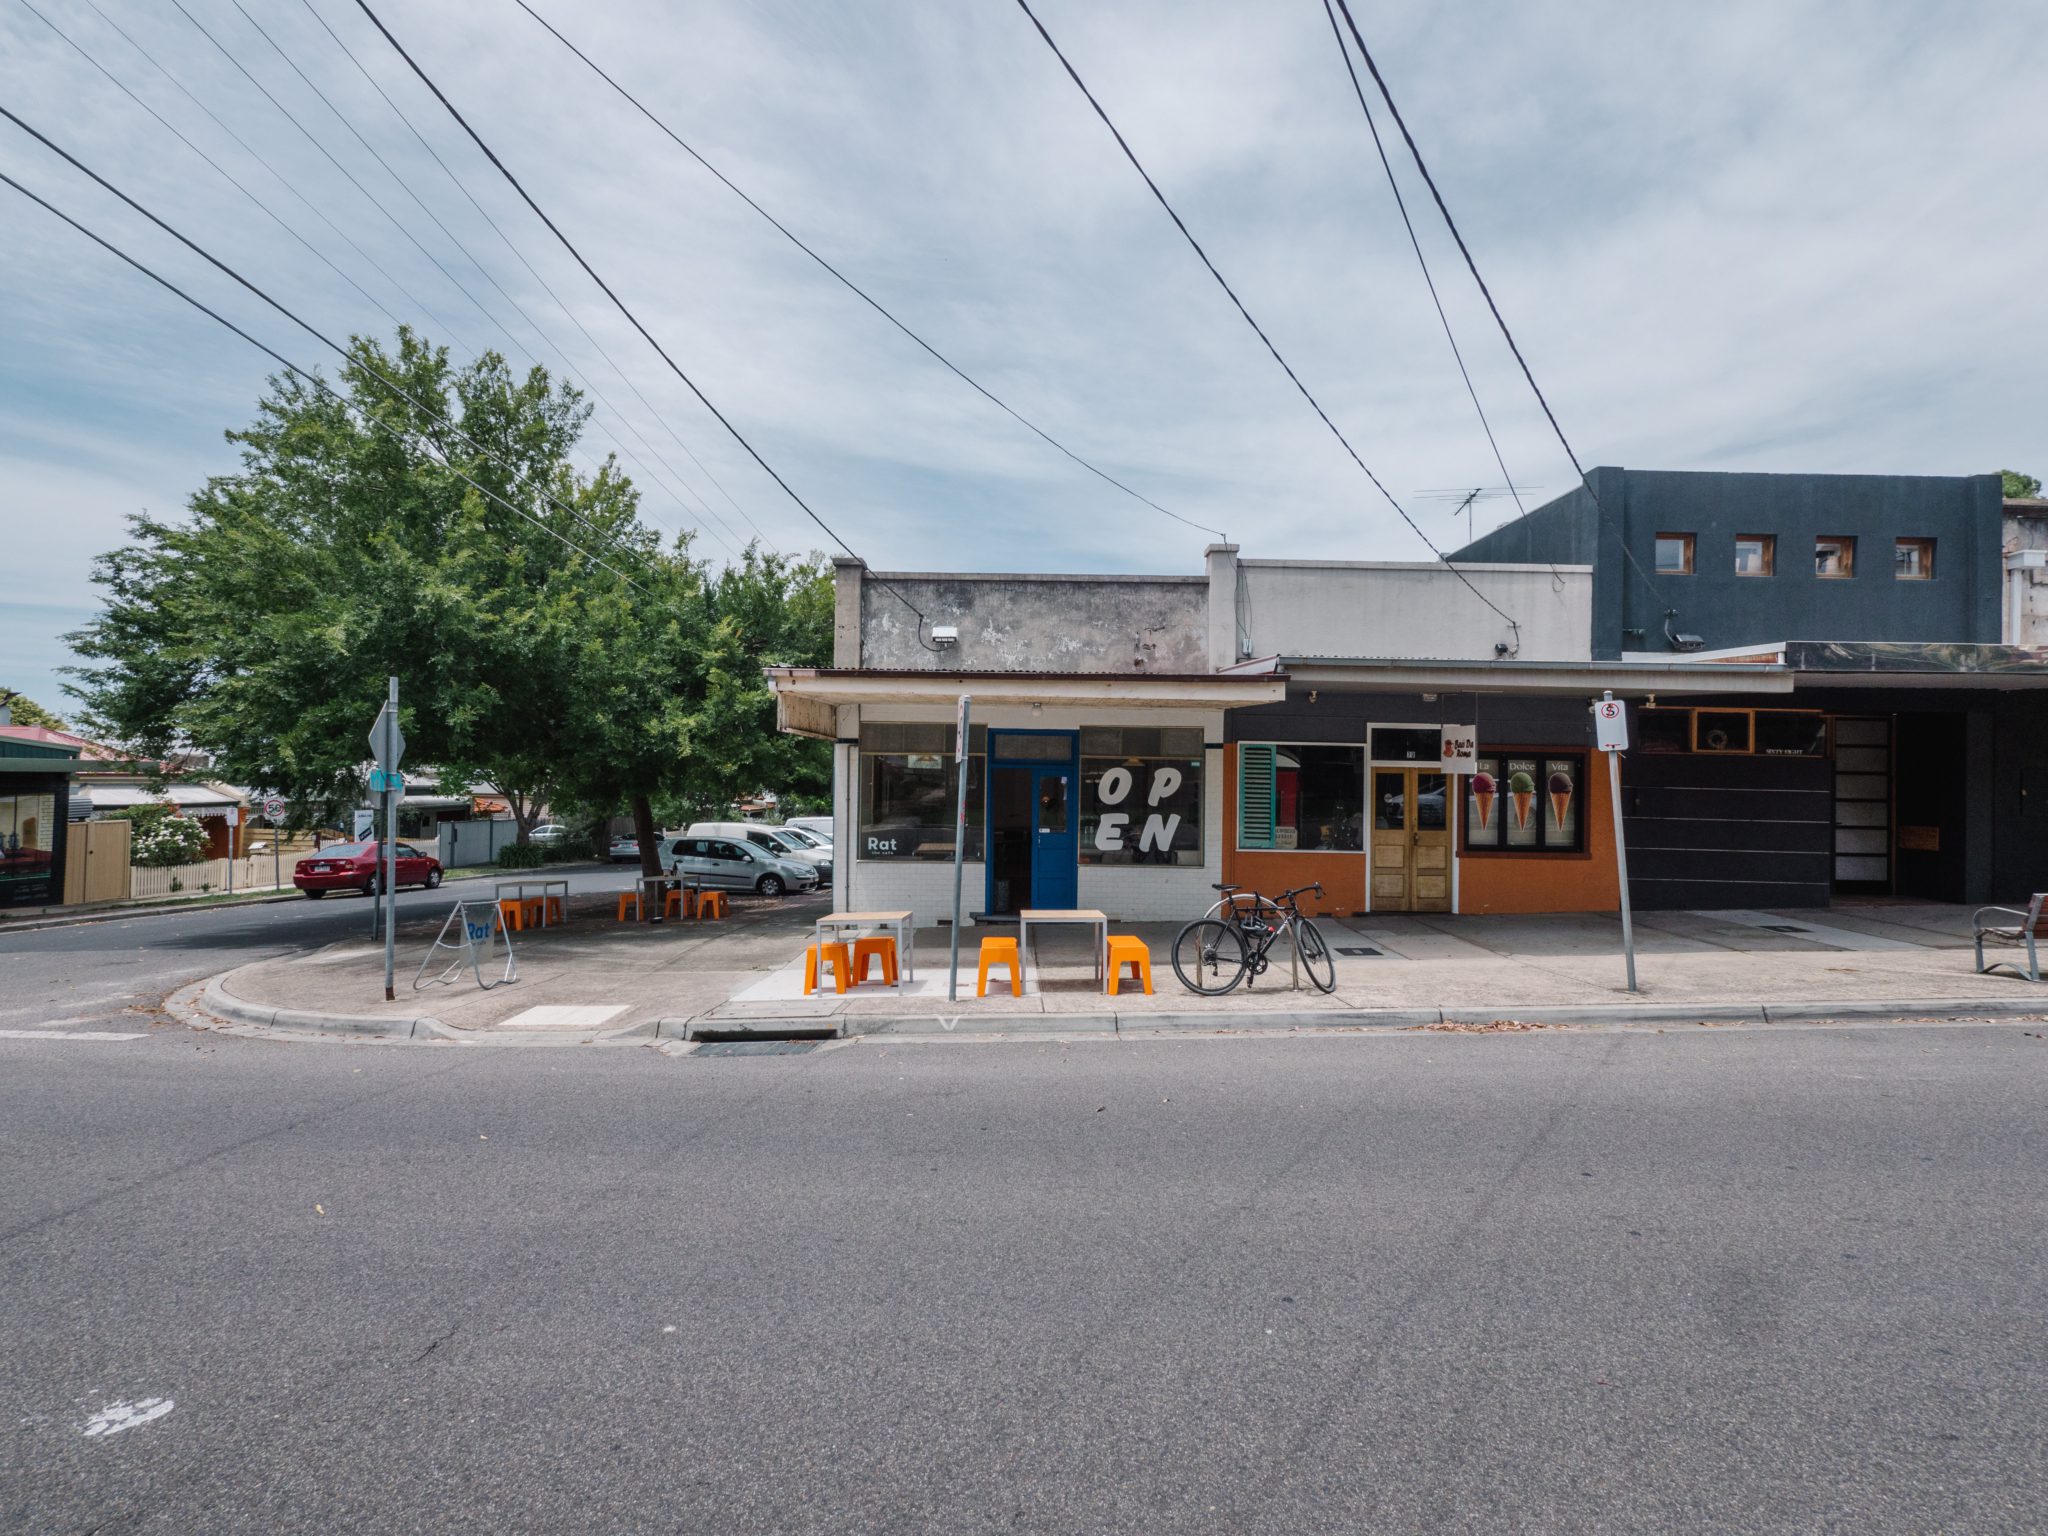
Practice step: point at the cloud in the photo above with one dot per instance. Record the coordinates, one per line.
(1756, 236)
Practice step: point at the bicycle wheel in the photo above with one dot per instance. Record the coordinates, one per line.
(1208, 957)
(1316, 958)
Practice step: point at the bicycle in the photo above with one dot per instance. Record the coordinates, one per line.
(1231, 942)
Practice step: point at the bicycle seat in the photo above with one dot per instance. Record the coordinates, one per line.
(1226, 887)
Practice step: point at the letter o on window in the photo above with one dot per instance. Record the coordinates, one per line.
(1115, 785)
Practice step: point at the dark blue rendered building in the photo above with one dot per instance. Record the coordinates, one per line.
(1911, 760)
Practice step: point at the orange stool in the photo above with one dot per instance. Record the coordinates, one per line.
(712, 904)
(834, 955)
(882, 948)
(1000, 952)
(532, 911)
(555, 912)
(672, 903)
(632, 899)
(512, 914)
(1127, 949)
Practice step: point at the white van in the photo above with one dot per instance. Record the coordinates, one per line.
(772, 841)
(817, 826)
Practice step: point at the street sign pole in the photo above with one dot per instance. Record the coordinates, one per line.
(389, 754)
(1610, 734)
(959, 851)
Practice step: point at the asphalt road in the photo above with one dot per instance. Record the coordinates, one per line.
(1713, 1280)
(113, 974)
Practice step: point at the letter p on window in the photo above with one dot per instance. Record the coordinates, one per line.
(1164, 782)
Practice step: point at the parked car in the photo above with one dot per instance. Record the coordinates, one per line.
(818, 826)
(547, 832)
(729, 864)
(805, 836)
(776, 841)
(360, 867)
(624, 850)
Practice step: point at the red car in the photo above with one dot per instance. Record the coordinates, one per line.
(360, 867)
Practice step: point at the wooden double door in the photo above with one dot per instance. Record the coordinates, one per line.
(1411, 840)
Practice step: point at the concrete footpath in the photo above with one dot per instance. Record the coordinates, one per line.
(595, 980)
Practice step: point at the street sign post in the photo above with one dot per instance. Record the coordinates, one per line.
(1610, 735)
(387, 747)
(274, 810)
(959, 851)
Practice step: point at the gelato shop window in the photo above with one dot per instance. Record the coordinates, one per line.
(28, 831)
(1527, 803)
(909, 780)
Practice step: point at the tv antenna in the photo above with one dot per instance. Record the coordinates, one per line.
(1466, 500)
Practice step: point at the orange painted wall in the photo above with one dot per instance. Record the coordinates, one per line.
(1522, 882)
(1499, 882)
(1342, 874)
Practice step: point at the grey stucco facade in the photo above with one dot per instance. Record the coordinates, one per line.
(1627, 509)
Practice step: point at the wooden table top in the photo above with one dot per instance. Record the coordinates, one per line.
(1062, 915)
(865, 917)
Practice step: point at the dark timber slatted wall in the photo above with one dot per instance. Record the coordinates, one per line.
(1727, 831)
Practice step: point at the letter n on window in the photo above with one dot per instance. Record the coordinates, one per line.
(1255, 798)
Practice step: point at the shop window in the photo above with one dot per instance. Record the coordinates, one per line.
(1422, 745)
(1526, 802)
(1663, 730)
(1790, 733)
(1300, 797)
(1141, 796)
(1722, 730)
(1913, 560)
(909, 781)
(28, 831)
(1674, 554)
(1834, 558)
(1756, 554)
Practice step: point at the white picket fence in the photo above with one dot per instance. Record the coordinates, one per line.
(254, 873)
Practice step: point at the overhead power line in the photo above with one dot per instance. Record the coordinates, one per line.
(314, 379)
(1222, 282)
(621, 305)
(546, 287)
(320, 336)
(1472, 266)
(854, 288)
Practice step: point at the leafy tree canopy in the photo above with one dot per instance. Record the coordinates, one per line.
(28, 712)
(2019, 487)
(558, 648)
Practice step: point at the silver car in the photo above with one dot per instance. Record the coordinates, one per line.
(726, 864)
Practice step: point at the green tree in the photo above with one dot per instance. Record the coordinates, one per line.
(263, 626)
(2019, 487)
(28, 712)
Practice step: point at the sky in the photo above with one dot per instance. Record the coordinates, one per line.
(1749, 236)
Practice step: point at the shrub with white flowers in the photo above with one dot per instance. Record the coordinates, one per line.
(166, 842)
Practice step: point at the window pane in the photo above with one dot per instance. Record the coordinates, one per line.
(1913, 559)
(1663, 730)
(1431, 792)
(1390, 802)
(1721, 730)
(1052, 803)
(1018, 744)
(1319, 795)
(1792, 735)
(1141, 810)
(1523, 824)
(28, 832)
(1834, 557)
(907, 805)
(1674, 554)
(1482, 805)
(1755, 554)
(1560, 802)
(1406, 745)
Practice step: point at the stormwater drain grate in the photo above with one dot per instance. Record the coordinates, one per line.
(1358, 951)
(755, 1047)
(1786, 928)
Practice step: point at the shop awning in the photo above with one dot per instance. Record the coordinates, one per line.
(1889, 663)
(807, 699)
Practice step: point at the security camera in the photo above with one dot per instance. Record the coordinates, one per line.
(945, 635)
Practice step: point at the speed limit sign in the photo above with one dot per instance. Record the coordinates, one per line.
(273, 810)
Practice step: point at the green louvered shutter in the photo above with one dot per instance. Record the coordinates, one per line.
(1255, 796)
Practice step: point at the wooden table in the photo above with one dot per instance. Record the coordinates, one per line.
(900, 921)
(549, 889)
(1086, 916)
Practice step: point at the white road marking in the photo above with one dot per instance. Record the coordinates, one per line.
(563, 1016)
(115, 1417)
(69, 1034)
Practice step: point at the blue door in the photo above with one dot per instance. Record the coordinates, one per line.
(1032, 823)
(1055, 851)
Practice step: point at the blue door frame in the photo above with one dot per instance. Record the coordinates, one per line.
(1055, 841)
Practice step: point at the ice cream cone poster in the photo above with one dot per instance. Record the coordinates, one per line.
(1484, 790)
(1561, 790)
(1522, 792)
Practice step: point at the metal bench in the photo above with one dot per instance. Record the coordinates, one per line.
(2022, 933)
